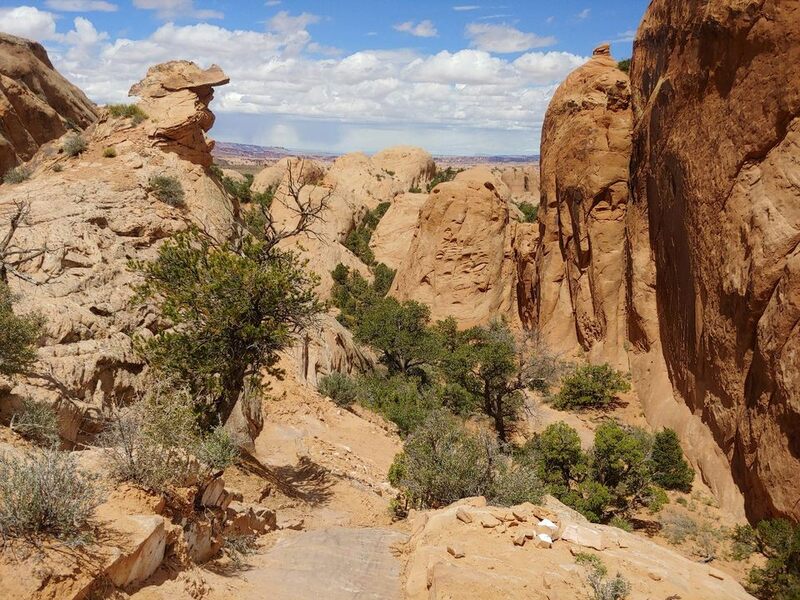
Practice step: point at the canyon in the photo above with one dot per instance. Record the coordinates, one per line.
(666, 244)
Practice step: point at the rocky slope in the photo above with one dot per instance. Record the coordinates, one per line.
(36, 103)
(84, 218)
(714, 167)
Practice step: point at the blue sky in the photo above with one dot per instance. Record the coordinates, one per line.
(457, 77)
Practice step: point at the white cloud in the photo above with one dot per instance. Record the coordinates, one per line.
(424, 29)
(626, 36)
(284, 22)
(273, 2)
(466, 101)
(466, 7)
(585, 13)
(28, 22)
(81, 5)
(504, 39)
(171, 9)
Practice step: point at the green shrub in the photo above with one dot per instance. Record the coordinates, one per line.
(670, 469)
(401, 399)
(656, 499)
(443, 462)
(558, 456)
(18, 336)
(357, 241)
(16, 175)
(777, 540)
(592, 561)
(74, 145)
(38, 422)
(529, 211)
(591, 386)
(621, 523)
(617, 588)
(340, 388)
(353, 294)
(110, 152)
(218, 450)
(44, 492)
(127, 111)
(167, 189)
(624, 65)
(415, 190)
(443, 176)
(677, 527)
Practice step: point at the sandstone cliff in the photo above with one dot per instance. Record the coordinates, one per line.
(714, 167)
(36, 102)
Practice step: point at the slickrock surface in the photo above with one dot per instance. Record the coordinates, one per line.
(500, 553)
(461, 261)
(36, 101)
(579, 289)
(716, 90)
(523, 182)
(176, 95)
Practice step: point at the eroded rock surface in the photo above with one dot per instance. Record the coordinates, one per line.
(175, 96)
(36, 101)
(461, 260)
(579, 289)
(715, 162)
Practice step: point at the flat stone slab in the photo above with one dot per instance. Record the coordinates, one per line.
(335, 564)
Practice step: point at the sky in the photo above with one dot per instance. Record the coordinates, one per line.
(458, 77)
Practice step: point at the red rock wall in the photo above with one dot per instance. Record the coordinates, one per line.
(716, 169)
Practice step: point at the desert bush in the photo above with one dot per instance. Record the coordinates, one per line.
(18, 335)
(167, 189)
(558, 455)
(401, 399)
(677, 527)
(443, 176)
(218, 450)
(127, 111)
(592, 561)
(777, 540)
(44, 492)
(656, 499)
(529, 211)
(357, 241)
(74, 145)
(152, 443)
(617, 588)
(110, 152)
(624, 65)
(443, 462)
(37, 421)
(340, 388)
(621, 523)
(591, 386)
(353, 294)
(238, 547)
(16, 175)
(670, 469)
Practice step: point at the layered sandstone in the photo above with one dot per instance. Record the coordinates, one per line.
(578, 289)
(461, 260)
(175, 96)
(716, 152)
(37, 104)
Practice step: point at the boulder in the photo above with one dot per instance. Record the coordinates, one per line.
(391, 240)
(142, 553)
(584, 536)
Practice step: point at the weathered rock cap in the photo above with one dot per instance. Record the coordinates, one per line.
(177, 75)
(602, 50)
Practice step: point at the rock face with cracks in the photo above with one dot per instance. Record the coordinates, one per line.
(716, 152)
(36, 102)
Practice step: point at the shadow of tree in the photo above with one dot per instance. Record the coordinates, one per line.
(311, 482)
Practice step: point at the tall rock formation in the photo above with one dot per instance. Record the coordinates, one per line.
(175, 95)
(578, 288)
(36, 103)
(716, 158)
